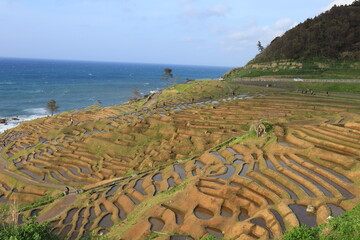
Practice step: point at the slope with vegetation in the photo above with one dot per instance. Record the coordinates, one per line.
(327, 46)
(346, 226)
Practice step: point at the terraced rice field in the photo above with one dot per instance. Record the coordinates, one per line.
(89, 151)
(189, 169)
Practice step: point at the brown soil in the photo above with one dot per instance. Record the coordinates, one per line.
(249, 189)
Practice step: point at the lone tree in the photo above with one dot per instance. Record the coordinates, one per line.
(52, 107)
(168, 72)
(167, 75)
(260, 47)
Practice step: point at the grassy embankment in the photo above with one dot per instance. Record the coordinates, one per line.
(319, 87)
(201, 90)
(285, 71)
(306, 69)
(330, 86)
(346, 226)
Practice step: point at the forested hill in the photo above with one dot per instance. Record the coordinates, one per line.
(334, 34)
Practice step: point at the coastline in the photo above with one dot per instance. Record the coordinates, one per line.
(17, 120)
(10, 123)
(14, 121)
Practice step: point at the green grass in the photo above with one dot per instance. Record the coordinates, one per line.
(311, 69)
(330, 87)
(92, 107)
(33, 230)
(29, 230)
(47, 199)
(235, 140)
(130, 172)
(245, 127)
(302, 233)
(195, 90)
(98, 150)
(142, 101)
(346, 226)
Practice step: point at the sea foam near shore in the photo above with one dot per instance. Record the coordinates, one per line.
(13, 121)
(10, 123)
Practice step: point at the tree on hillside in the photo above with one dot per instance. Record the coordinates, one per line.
(52, 107)
(167, 75)
(333, 34)
(260, 47)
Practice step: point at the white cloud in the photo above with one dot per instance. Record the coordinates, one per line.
(265, 33)
(248, 35)
(192, 10)
(337, 2)
(284, 23)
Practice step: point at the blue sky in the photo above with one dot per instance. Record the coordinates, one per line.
(194, 32)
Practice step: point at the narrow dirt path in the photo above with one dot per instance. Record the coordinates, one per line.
(62, 205)
(152, 99)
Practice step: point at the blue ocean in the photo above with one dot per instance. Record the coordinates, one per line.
(26, 85)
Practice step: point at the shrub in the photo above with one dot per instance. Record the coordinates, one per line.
(302, 233)
(29, 230)
(245, 127)
(268, 126)
(346, 226)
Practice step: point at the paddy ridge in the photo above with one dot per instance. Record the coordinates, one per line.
(188, 163)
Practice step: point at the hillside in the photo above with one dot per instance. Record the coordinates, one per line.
(189, 163)
(327, 46)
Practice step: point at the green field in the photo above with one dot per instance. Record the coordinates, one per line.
(330, 86)
(307, 69)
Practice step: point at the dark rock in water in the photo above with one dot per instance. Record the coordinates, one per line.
(3, 120)
(15, 119)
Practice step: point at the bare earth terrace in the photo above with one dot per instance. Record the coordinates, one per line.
(189, 168)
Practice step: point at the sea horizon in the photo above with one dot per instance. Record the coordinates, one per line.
(26, 85)
(109, 61)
